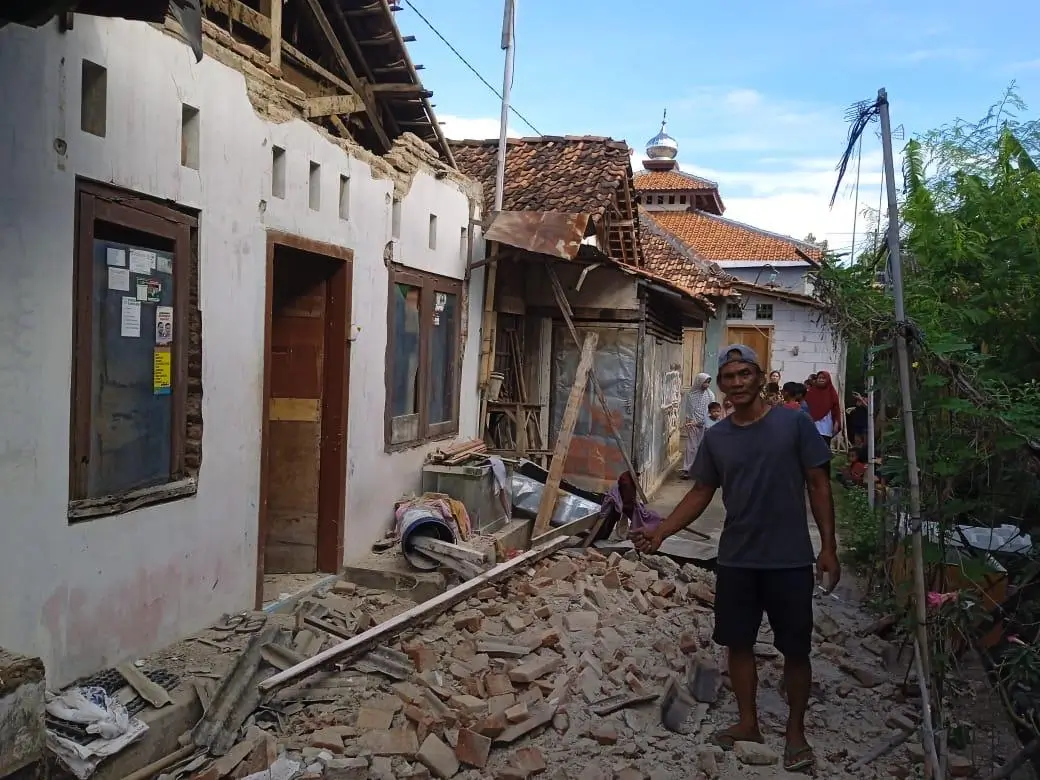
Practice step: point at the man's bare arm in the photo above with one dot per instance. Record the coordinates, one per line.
(821, 501)
(689, 509)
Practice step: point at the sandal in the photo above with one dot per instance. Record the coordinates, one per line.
(726, 738)
(798, 759)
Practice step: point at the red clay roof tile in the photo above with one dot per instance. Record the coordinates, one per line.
(718, 239)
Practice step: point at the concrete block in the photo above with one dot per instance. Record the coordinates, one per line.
(438, 757)
(23, 735)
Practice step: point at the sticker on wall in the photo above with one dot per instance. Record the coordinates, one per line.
(436, 319)
(149, 290)
(116, 257)
(142, 261)
(163, 325)
(130, 318)
(440, 302)
(162, 371)
(118, 279)
(163, 265)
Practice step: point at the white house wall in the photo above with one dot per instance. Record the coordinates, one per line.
(89, 595)
(800, 345)
(793, 278)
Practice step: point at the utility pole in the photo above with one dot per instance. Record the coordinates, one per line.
(914, 477)
(508, 24)
(489, 326)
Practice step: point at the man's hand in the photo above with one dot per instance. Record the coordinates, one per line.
(647, 541)
(828, 570)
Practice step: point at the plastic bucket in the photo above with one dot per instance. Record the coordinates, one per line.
(419, 522)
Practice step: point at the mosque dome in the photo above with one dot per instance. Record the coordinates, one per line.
(662, 146)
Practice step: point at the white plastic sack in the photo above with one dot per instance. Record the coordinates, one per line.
(103, 716)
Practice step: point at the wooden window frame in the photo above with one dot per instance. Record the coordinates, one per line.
(99, 203)
(730, 308)
(428, 284)
(758, 312)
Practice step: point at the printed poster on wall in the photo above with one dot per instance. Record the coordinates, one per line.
(115, 257)
(118, 279)
(163, 325)
(142, 261)
(130, 318)
(162, 371)
(149, 290)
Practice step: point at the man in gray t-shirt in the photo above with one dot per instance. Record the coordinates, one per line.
(763, 458)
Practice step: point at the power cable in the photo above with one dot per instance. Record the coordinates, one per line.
(465, 62)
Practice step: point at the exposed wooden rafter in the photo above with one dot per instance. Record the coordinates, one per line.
(333, 104)
(374, 117)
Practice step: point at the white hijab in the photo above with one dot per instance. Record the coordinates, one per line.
(697, 400)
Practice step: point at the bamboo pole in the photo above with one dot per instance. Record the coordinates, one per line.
(913, 475)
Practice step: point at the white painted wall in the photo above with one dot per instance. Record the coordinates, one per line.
(795, 329)
(793, 278)
(87, 596)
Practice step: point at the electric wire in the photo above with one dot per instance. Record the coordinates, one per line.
(472, 69)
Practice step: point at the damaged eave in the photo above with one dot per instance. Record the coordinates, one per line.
(187, 14)
(780, 294)
(551, 233)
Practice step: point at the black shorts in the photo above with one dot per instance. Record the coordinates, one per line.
(784, 595)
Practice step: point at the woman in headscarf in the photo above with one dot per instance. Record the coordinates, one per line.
(695, 412)
(825, 406)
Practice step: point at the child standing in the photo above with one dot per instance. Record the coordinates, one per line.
(714, 414)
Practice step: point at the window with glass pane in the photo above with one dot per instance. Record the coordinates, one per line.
(422, 353)
(443, 381)
(136, 406)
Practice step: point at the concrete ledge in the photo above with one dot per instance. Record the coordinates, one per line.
(165, 726)
(391, 572)
(515, 535)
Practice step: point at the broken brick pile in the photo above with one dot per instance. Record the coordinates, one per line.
(558, 671)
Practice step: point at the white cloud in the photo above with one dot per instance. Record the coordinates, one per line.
(959, 54)
(459, 128)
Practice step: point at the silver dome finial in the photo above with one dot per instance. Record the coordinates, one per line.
(662, 146)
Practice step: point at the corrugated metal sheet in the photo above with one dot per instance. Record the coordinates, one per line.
(552, 233)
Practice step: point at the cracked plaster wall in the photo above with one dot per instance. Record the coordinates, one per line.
(90, 595)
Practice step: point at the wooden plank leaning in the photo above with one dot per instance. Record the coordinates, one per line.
(367, 640)
(551, 492)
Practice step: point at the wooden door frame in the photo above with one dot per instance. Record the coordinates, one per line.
(765, 330)
(335, 403)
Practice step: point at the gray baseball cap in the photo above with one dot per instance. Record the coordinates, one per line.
(744, 354)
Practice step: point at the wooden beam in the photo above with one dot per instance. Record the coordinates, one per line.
(333, 104)
(411, 90)
(276, 33)
(237, 11)
(348, 69)
(551, 492)
(416, 616)
(297, 55)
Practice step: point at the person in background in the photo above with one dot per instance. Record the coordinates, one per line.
(727, 408)
(714, 413)
(771, 394)
(695, 414)
(856, 419)
(855, 472)
(774, 376)
(810, 380)
(622, 504)
(793, 393)
(825, 407)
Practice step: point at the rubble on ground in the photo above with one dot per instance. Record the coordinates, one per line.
(555, 672)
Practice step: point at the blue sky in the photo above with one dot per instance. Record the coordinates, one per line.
(756, 91)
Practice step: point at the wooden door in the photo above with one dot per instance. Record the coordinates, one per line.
(759, 339)
(693, 355)
(294, 441)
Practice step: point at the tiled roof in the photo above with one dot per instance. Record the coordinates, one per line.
(662, 257)
(647, 181)
(575, 174)
(718, 239)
